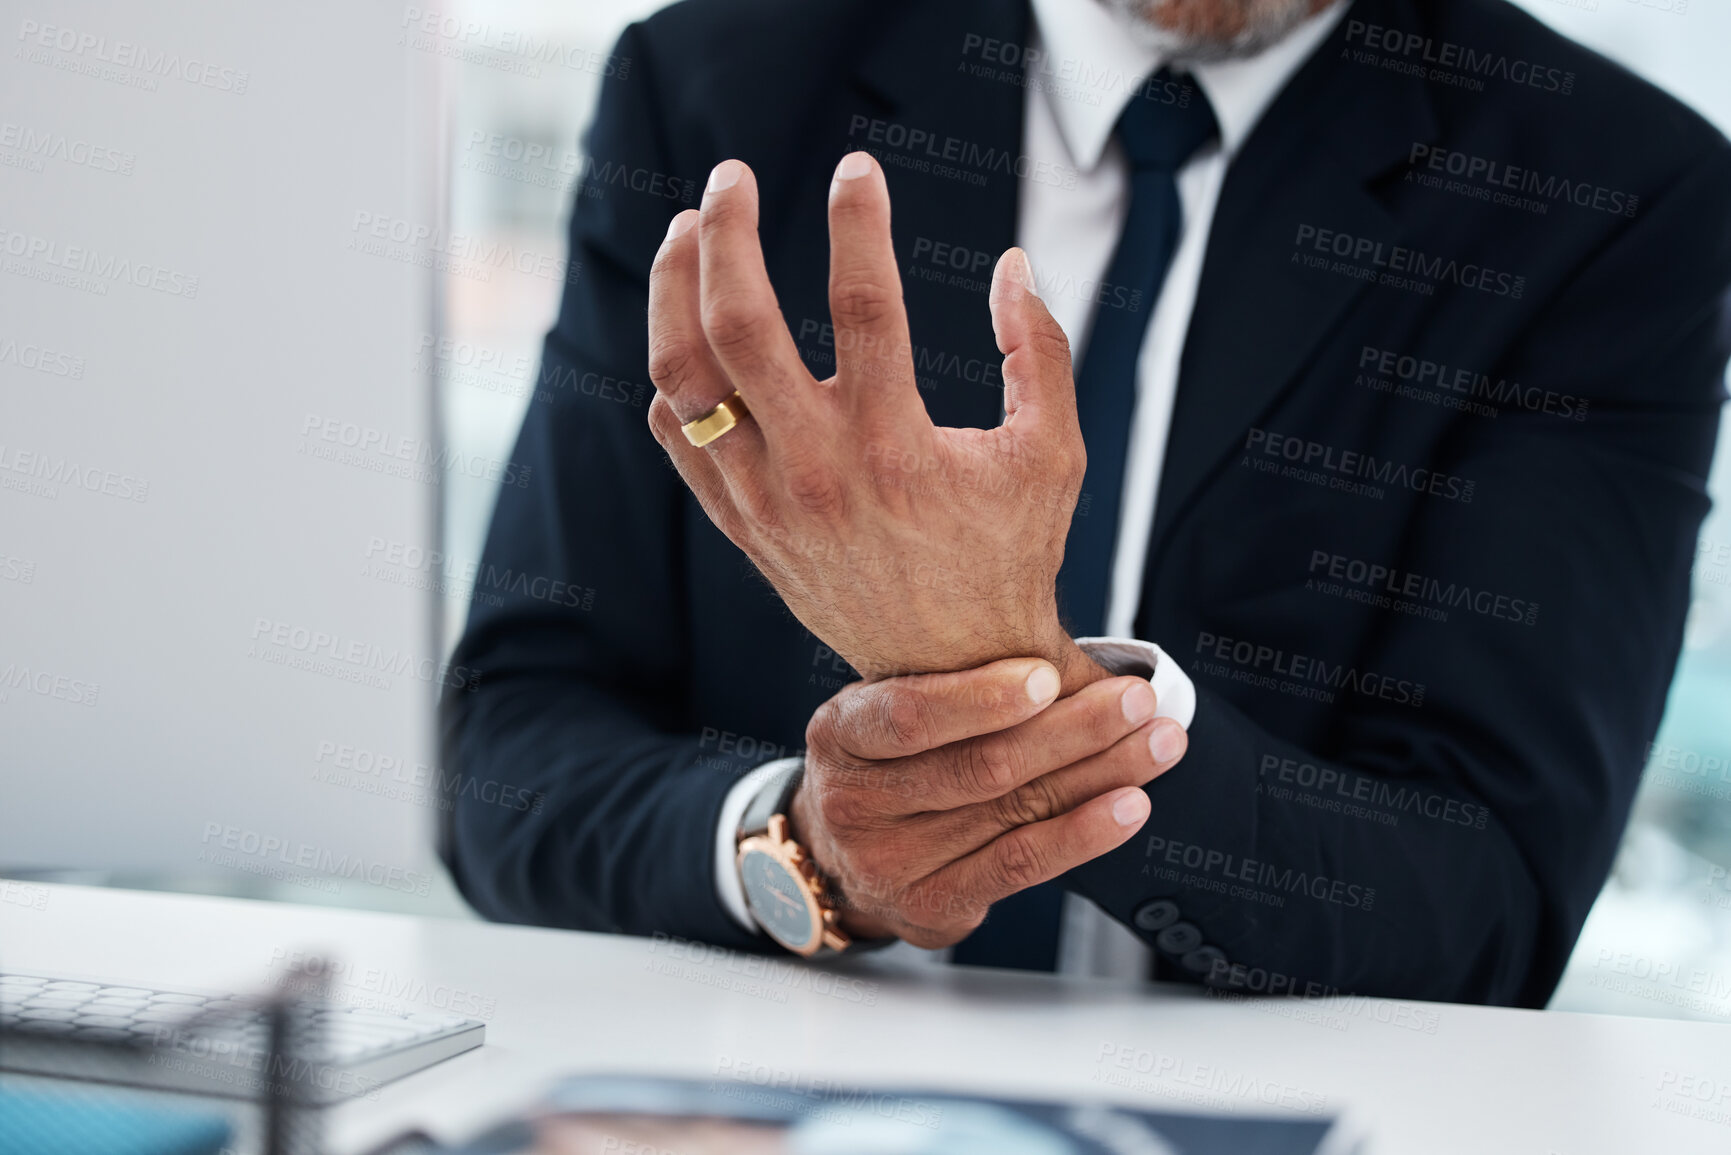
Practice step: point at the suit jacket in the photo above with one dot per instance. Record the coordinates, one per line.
(1438, 458)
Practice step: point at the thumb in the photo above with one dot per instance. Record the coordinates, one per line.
(1036, 352)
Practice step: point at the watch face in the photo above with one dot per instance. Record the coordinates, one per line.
(776, 899)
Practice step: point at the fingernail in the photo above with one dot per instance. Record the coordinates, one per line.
(1043, 684)
(1166, 741)
(680, 225)
(1013, 270)
(1130, 808)
(724, 176)
(853, 166)
(1138, 703)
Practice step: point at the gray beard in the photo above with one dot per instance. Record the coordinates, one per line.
(1261, 24)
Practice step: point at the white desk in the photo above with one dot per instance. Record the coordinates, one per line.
(1416, 1077)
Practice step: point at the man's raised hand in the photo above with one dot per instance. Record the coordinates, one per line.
(904, 546)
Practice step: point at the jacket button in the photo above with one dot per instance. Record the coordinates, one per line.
(1203, 961)
(1179, 938)
(1155, 915)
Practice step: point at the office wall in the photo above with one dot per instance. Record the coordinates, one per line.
(218, 224)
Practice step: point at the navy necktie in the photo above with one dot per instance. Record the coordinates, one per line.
(1164, 124)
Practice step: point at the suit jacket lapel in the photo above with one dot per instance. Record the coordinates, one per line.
(1259, 315)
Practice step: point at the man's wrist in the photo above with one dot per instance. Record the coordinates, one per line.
(1076, 669)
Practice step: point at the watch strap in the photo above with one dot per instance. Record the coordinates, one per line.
(772, 798)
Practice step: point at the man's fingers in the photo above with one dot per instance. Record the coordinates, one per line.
(900, 717)
(1029, 855)
(995, 765)
(1127, 762)
(874, 355)
(701, 470)
(1038, 384)
(688, 379)
(740, 315)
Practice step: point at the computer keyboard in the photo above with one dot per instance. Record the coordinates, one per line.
(215, 1044)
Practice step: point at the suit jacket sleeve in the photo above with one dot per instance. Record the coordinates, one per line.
(1512, 775)
(579, 624)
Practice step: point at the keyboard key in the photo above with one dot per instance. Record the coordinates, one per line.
(161, 1015)
(67, 985)
(47, 1015)
(178, 1000)
(21, 981)
(124, 993)
(103, 1034)
(110, 1021)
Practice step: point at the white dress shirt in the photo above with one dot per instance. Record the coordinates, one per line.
(1089, 66)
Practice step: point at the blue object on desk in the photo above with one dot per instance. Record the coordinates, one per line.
(39, 1123)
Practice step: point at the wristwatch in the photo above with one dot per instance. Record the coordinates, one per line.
(782, 886)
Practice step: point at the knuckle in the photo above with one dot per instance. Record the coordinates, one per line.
(672, 362)
(840, 807)
(1050, 343)
(905, 719)
(990, 768)
(815, 489)
(821, 732)
(1021, 861)
(1032, 802)
(864, 302)
(736, 329)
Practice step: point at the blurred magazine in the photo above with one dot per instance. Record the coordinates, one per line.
(625, 1115)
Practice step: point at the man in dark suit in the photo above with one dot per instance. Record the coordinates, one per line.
(1447, 380)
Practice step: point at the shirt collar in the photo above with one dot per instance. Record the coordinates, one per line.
(1091, 66)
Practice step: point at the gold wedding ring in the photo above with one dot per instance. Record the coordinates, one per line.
(717, 421)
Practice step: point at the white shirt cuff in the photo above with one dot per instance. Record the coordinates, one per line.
(1174, 692)
(728, 888)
